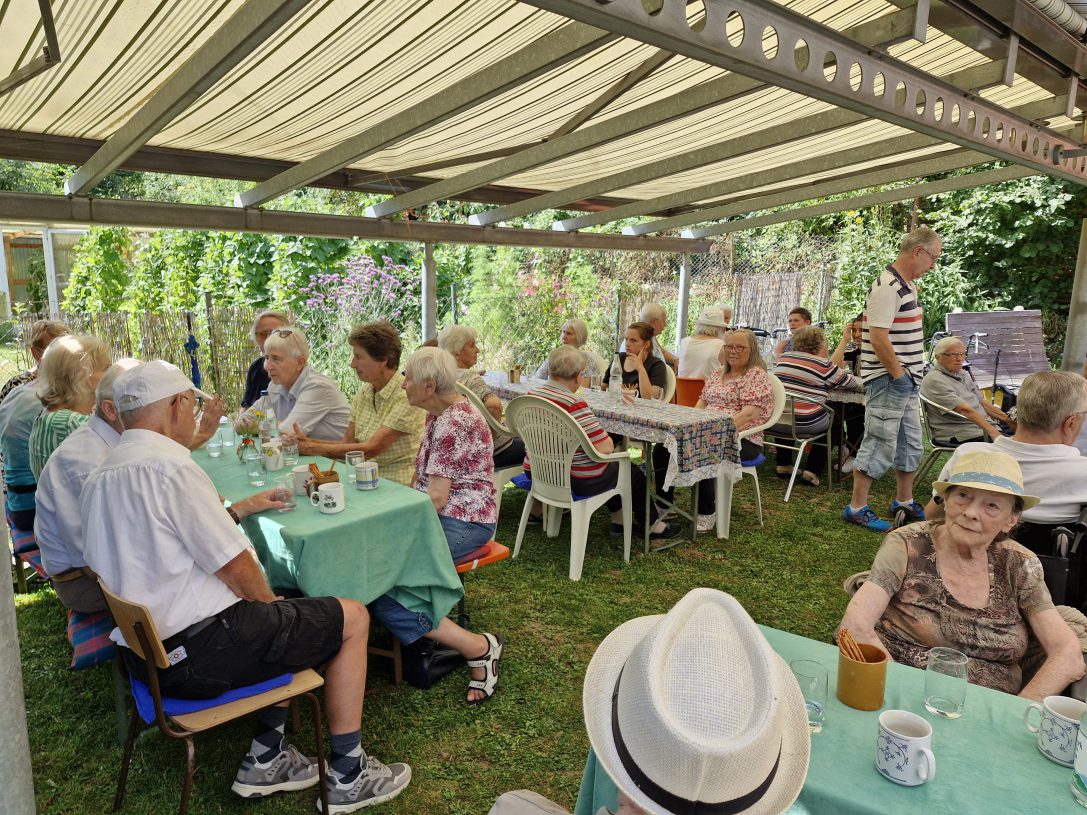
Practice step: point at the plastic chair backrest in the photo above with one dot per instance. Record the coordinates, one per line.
(127, 615)
(551, 437)
(778, 390)
(495, 426)
(689, 390)
(670, 386)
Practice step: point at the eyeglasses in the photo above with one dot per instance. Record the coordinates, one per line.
(280, 332)
(195, 402)
(736, 348)
(935, 258)
(955, 354)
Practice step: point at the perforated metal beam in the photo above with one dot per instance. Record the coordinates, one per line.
(556, 48)
(871, 200)
(232, 42)
(889, 89)
(882, 31)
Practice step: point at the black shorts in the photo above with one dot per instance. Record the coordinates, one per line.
(249, 643)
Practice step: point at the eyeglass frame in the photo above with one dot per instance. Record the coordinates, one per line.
(935, 258)
(955, 354)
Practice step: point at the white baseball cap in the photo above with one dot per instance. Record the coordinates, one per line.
(149, 383)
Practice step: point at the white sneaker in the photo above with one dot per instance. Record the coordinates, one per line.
(847, 465)
(706, 522)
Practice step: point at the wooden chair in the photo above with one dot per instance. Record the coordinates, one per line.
(506, 473)
(492, 552)
(689, 390)
(551, 437)
(140, 634)
(724, 483)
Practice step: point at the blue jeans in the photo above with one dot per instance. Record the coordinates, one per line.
(463, 537)
(892, 427)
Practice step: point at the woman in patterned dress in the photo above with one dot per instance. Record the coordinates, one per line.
(963, 583)
(454, 468)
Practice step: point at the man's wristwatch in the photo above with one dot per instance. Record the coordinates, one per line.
(233, 515)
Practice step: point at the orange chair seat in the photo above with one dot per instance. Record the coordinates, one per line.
(491, 553)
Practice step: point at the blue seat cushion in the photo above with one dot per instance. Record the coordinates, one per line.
(757, 461)
(172, 706)
(524, 482)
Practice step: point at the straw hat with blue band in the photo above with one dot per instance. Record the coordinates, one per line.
(693, 712)
(989, 470)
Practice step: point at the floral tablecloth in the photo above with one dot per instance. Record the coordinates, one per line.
(700, 443)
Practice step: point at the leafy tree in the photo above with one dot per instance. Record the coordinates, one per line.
(100, 272)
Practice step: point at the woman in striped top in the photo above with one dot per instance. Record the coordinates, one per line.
(588, 477)
(69, 372)
(806, 372)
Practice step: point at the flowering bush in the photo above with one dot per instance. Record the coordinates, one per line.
(359, 291)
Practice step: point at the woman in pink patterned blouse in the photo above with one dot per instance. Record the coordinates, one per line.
(455, 469)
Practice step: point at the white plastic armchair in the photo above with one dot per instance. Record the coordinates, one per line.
(506, 473)
(670, 385)
(551, 437)
(724, 483)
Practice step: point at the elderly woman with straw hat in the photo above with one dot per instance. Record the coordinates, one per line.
(963, 583)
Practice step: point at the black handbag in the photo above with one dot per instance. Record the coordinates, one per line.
(425, 662)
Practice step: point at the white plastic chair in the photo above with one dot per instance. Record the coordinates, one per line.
(798, 443)
(928, 405)
(670, 385)
(724, 483)
(551, 437)
(506, 473)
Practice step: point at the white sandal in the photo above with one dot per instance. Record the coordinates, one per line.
(489, 663)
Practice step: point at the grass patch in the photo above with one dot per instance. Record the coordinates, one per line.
(787, 574)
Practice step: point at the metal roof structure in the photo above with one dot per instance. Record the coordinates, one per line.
(685, 112)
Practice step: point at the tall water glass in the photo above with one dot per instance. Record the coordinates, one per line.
(945, 682)
(214, 447)
(254, 464)
(285, 492)
(353, 460)
(226, 431)
(813, 680)
(290, 450)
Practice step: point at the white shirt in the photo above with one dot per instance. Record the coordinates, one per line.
(57, 525)
(1056, 473)
(699, 358)
(155, 532)
(315, 403)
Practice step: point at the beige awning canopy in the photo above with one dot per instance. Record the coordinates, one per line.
(506, 102)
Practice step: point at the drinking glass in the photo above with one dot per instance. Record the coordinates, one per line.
(595, 381)
(945, 682)
(226, 432)
(290, 450)
(285, 492)
(214, 447)
(353, 460)
(254, 464)
(813, 680)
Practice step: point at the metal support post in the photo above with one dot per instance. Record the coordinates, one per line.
(684, 298)
(1009, 63)
(4, 277)
(430, 293)
(51, 272)
(1075, 334)
(17, 791)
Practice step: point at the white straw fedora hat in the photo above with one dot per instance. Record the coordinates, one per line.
(712, 315)
(989, 470)
(692, 711)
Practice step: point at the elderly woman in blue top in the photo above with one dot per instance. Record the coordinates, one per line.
(299, 395)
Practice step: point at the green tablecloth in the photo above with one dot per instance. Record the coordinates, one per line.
(986, 762)
(387, 540)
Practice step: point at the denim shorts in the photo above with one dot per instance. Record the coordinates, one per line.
(464, 537)
(892, 428)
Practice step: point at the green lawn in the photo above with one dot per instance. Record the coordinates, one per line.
(787, 574)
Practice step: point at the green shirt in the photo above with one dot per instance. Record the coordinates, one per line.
(389, 408)
(49, 430)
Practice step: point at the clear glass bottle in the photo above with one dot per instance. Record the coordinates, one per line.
(615, 380)
(1079, 772)
(269, 424)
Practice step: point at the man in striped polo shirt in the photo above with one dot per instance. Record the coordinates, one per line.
(892, 351)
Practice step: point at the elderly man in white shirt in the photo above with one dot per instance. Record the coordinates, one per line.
(299, 394)
(57, 526)
(156, 534)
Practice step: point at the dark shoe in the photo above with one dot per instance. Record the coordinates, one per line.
(669, 532)
(912, 508)
(535, 520)
(616, 530)
(288, 771)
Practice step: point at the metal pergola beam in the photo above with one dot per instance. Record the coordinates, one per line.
(889, 28)
(538, 57)
(889, 89)
(79, 211)
(49, 57)
(873, 199)
(751, 142)
(240, 36)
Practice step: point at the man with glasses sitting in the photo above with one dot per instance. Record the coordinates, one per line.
(966, 416)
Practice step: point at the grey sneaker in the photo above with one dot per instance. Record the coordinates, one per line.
(376, 784)
(290, 770)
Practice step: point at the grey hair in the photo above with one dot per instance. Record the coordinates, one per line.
(945, 343)
(104, 391)
(921, 236)
(434, 365)
(454, 337)
(727, 307)
(808, 339)
(294, 345)
(145, 414)
(1047, 398)
(755, 360)
(708, 330)
(652, 311)
(566, 362)
(279, 315)
(581, 331)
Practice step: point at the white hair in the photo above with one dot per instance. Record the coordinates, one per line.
(434, 365)
(104, 391)
(294, 345)
(945, 343)
(652, 311)
(581, 331)
(566, 362)
(454, 337)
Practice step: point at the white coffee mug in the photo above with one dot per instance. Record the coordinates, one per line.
(301, 478)
(904, 748)
(366, 476)
(329, 498)
(1058, 729)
